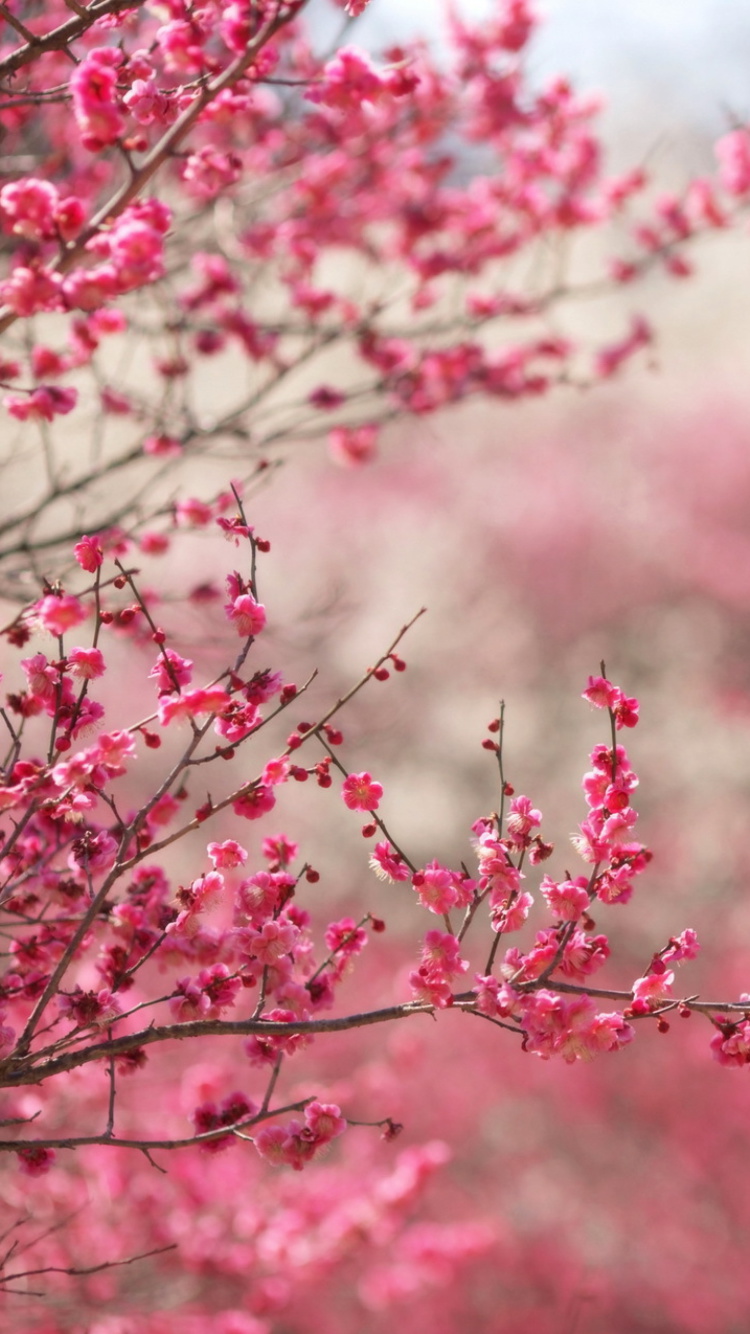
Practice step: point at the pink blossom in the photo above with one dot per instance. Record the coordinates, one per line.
(145, 102)
(731, 1044)
(192, 513)
(430, 988)
(236, 721)
(28, 207)
(256, 802)
(44, 404)
(387, 863)
(522, 819)
(89, 1008)
(86, 663)
(220, 988)
(35, 1161)
(153, 544)
(441, 953)
(248, 615)
(615, 886)
(171, 669)
(88, 289)
(42, 678)
(227, 854)
(733, 153)
(189, 1002)
(353, 7)
(209, 172)
(29, 290)
(192, 703)
(684, 946)
(137, 251)
(654, 987)
(601, 693)
(207, 891)
(93, 86)
(164, 809)
(324, 1121)
(361, 792)
(162, 446)
(495, 998)
(353, 446)
(274, 1144)
(264, 1049)
(611, 358)
(280, 849)
(347, 80)
(275, 772)
(233, 1110)
(58, 614)
(345, 938)
(583, 954)
(567, 899)
(89, 554)
(272, 941)
(7, 1037)
(510, 914)
(93, 853)
(113, 748)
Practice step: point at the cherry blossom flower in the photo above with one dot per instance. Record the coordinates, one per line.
(361, 792)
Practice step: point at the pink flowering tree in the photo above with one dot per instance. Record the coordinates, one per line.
(217, 243)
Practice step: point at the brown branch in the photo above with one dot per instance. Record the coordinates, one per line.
(27, 1072)
(59, 38)
(5, 1279)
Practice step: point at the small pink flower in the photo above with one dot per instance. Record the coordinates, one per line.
(566, 900)
(162, 811)
(255, 803)
(31, 289)
(87, 663)
(58, 614)
(93, 86)
(192, 513)
(511, 915)
(210, 699)
(93, 853)
(324, 1120)
(272, 1143)
(248, 615)
(89, 554)
(441, 953)
(35, 1161)
(28, 207)
(171, 669)
(601, 693)
(654, 987)
(361, 792)
(387, 864)
(275, 772)
(684, 946)
(731, 1044)
(273, 941)
(226, 854)
(153, 544)
(436, 887)
(353, 446)
(162, 446)
(45, 403)
(733, 153)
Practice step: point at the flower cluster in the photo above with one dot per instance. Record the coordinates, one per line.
(169, 101)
